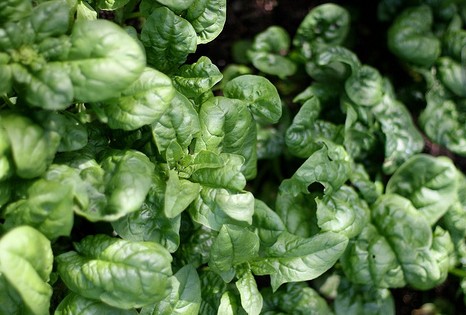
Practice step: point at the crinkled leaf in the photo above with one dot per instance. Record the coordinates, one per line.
(430, 183)
(185, 297)
(197, 78)
(453, 44)
(117, 272)
(365, 86)
(342, 212)
(208, 18)
(215, 207)
(50, 18)
(25, 265)
(179, 123)
(101, 55)
(355, 299)
(179, 194)
(303, 135)
(260, 95)
(453, 75)
(327, 23)
(268, 52)
(48, 208)
(294, 298)
(234, 245)
(227, 126)
(293, 258)
(74, 304)
(127, 180)
(12, 10)
(32, 148)
(411, 39)
(142, 103)
(402, 139)
(168, 39)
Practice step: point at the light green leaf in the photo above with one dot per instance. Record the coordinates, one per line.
(430, 183)
(260, 95)
(227, 126)
(251, 299)
(229, 305)
(179, 194)
(411, 39)
(198, 78)
(32, 148)
(84, 12)
(127, 180)
(111, 4)
(142, 103)
(74, 304)
(48, 208)
(234, 245)
(267, 223)
(185, 297)
(168, 39)
(117, 272)
(208, 18)
(26, 260)
(342, 212)
(101, 55)
(365, 86)
(213, 287)
(215, 207)
(293, 258)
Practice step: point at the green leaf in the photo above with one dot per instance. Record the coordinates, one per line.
(251, 299)
(74, 304)
(50, 19)
(141, 103)
(293, 258)
(198, 78)
(342, 212)
(179, 123)
(229, 304)
(216, 207)
(268, 52)
(176, 5)
(127, 180)
(453, 75)
(294, 298)
(13, 10)
(267, 223)
(354, 299)
(411, 39)
(179, 194)
(168, 39)
(185, 297)
(365, 86)
(208, 18)
(430, 183)
(117, 272)
(227, 126)
(303, 135)
(32, 148)
(111, 4)
(101, 55)
(402, 139)
(48, 208)
(260, 95)
(213, 287)
(234, 245)
(327, 23)
(453, 44)
(25, 265)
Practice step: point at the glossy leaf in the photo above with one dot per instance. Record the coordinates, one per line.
(208, 18)
(74, 304)
(365, 86)
(179, 194)
(117, 272)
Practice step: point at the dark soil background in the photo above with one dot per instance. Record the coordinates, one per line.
(246, 18)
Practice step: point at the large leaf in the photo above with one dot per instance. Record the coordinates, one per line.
(208, 18)
(227, 126)
(101, 55)
(293, 258)
(74, 304)
(141, 103)
(260, 95)
(168, 39)
(185, 297)
(430, 183)
(117, 272)
(25, 265)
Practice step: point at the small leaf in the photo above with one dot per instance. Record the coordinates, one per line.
(179, 194)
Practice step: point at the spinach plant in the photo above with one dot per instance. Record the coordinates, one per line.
(128, 176)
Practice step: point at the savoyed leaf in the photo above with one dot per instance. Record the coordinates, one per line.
(208, 18)
(74, 304)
